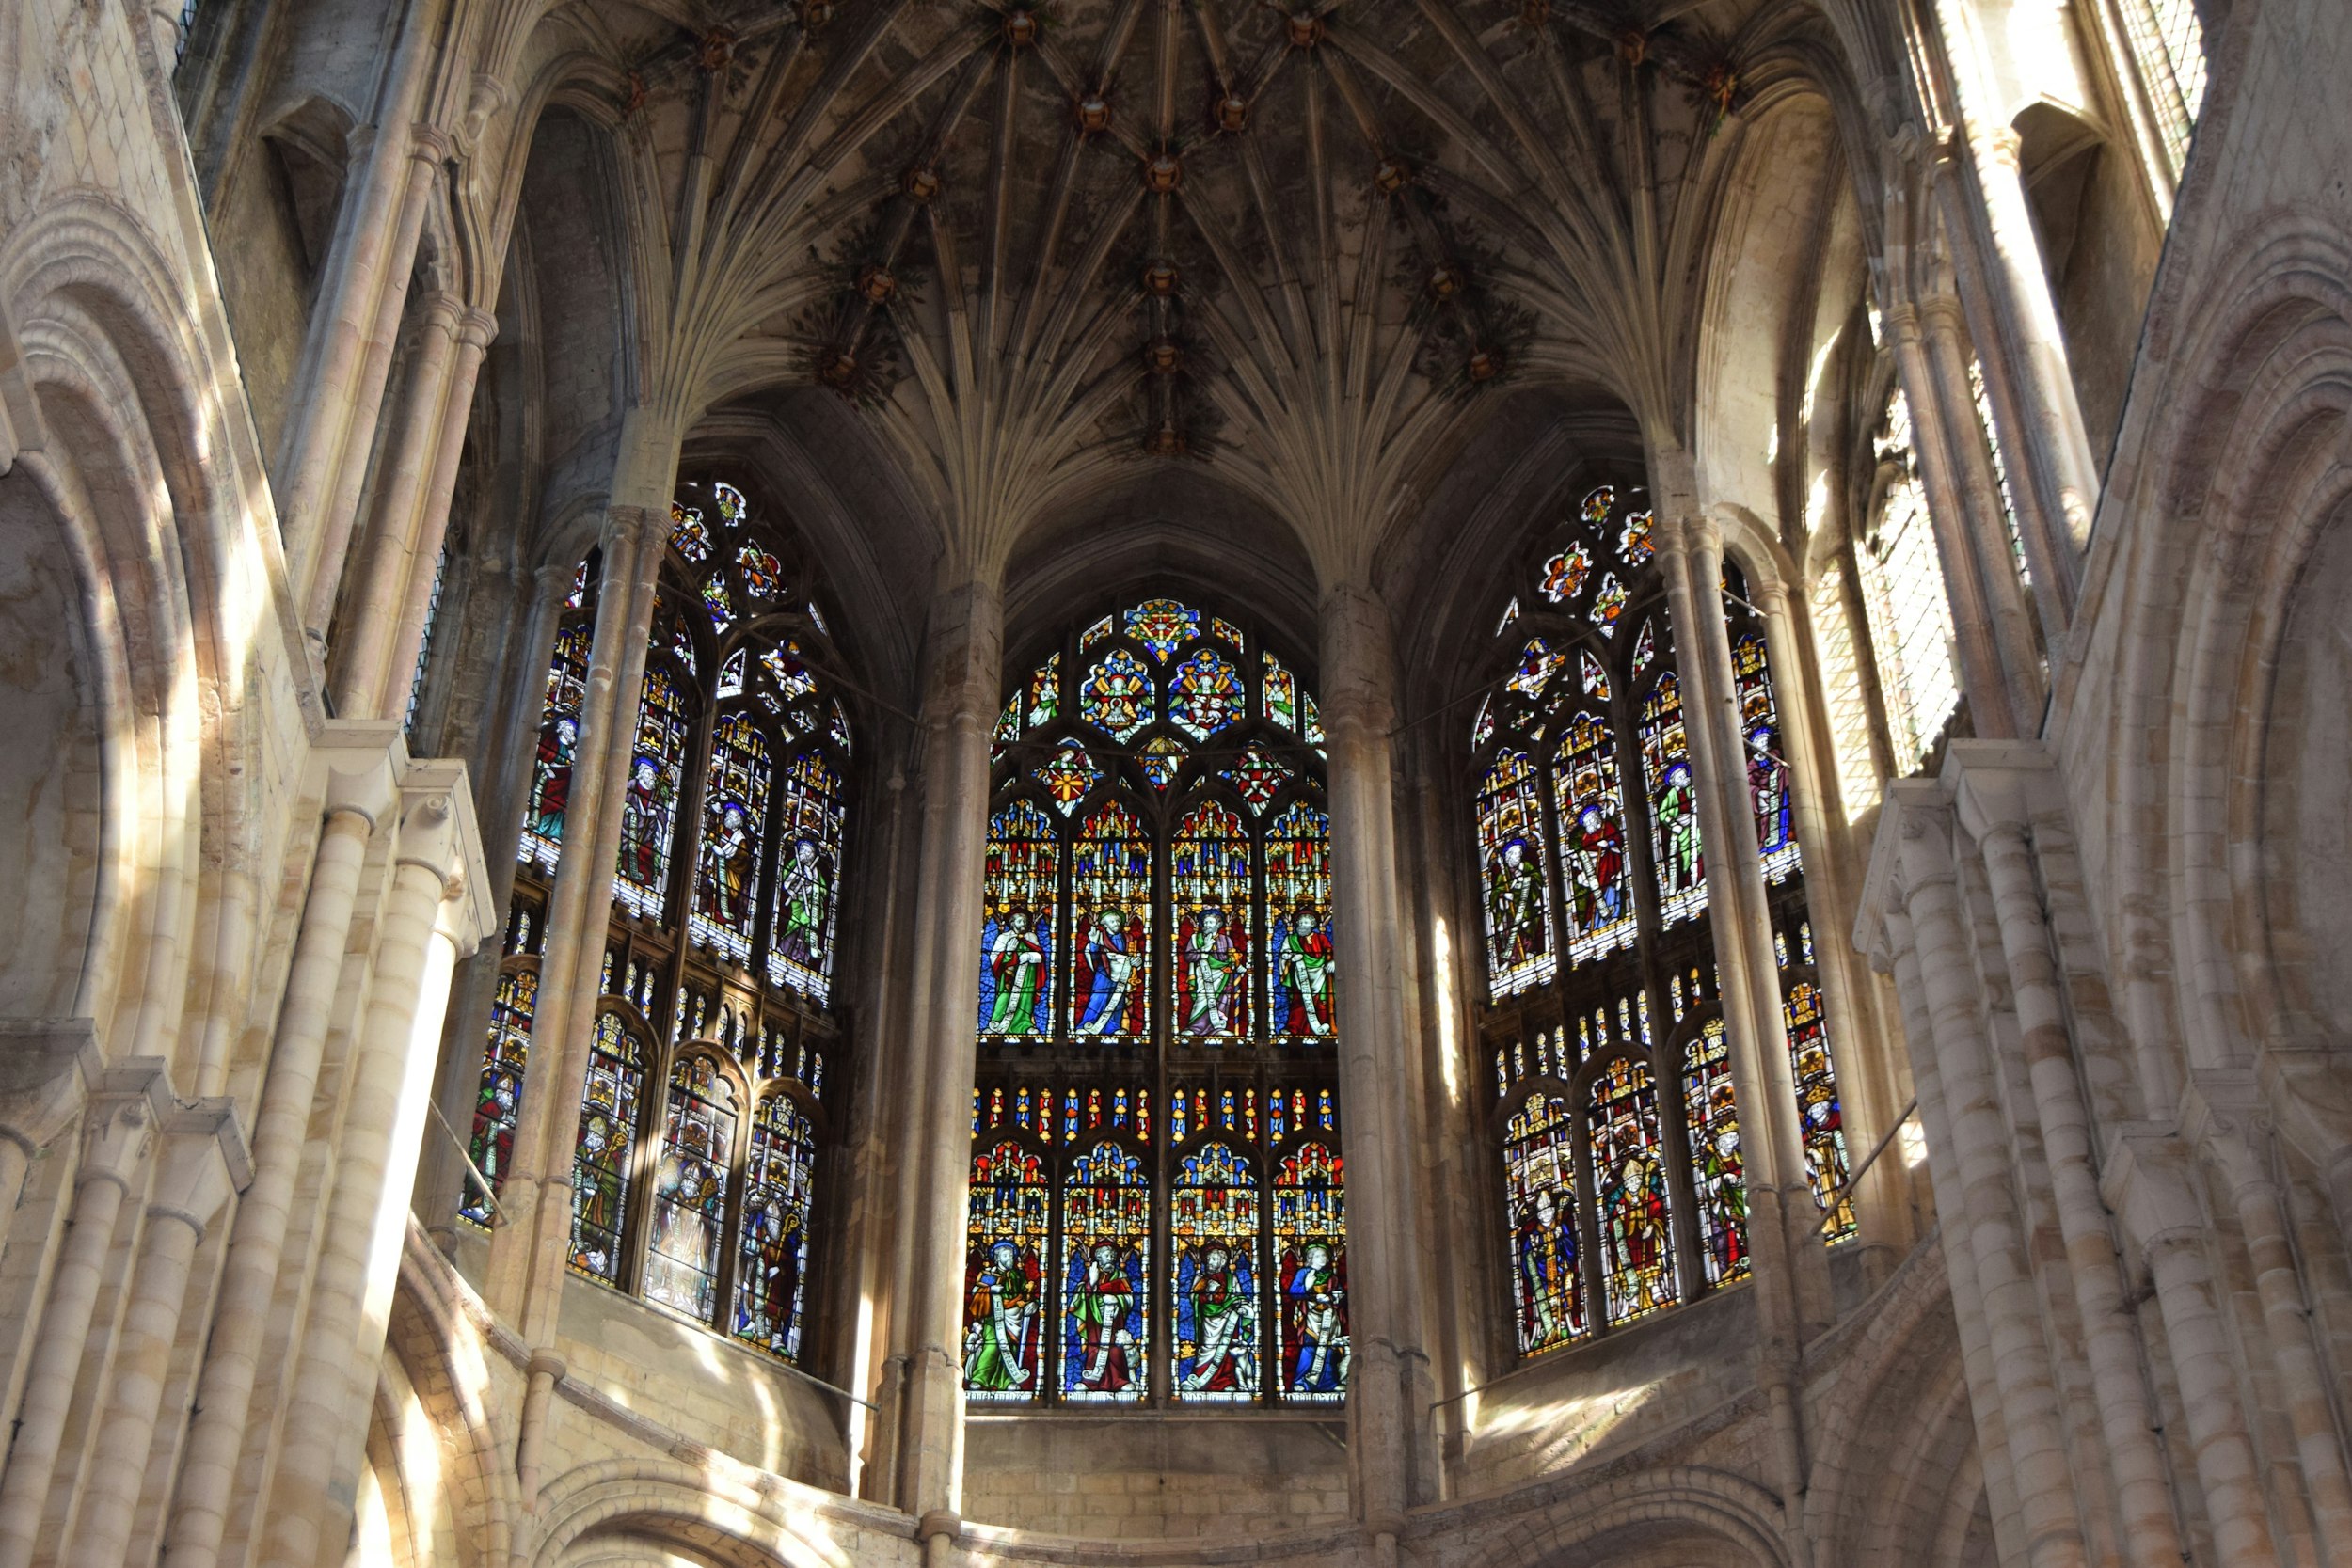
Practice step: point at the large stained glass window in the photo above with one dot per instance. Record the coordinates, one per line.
(1613, 1110)
(1155, 1203)
(731, 807)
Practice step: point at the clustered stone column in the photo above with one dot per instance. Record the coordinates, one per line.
(1788, 1259)
(1972, 891)
(920, 1442)
(1391, 1390)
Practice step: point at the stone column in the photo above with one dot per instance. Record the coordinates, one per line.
(201, 1163)
(47, 1068)
(1787, 1259)
(963, 689)
(357, 763)
(1996, 784)
(116, 1134)
(372, 615)
(1951, 1219)
(1990, 704)
(501, 796)
(1391, 1391)
(339, 399)
(2011, 629)
(431, 907)
(474, 332)
(1866, 1083)
(1979, 1142)
(2287, 1325)
(527, 1249)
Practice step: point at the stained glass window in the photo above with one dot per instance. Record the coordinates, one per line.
(559, 748)
(649, 801)
(1163, 626)
(1768, 775)
(1592, 839)
(499, 1098)
(1069, 775)
(1711, 1110)
(1634, 541)
(1300, 952)
(690, 1188)
(604, 1156)
(1209, 870)
(1183, 827)
(1105, 1229)
(1636, 1226)
(1214, 1219)
(772, 1258)
(1005, 1231)
(1539, 1198)
(1592, 676)
(1511, 856)
(1673, 803)
(735, 824)
(807, 835)
(1257, 777)
(1020, 887)
(1565, 573)
(1822, 1122)
(1206, 694)
(1608, 602)
(1311, 1259)
(720, 935)
(1596, 505)
(1539, 662)
(1110, 923)
(1116, 696)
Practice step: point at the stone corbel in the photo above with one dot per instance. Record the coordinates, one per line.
(130, 1101)
(2146, 1180)
(437, 832)
(2001, 784)
(49, 1067)
(203, 1161)
(352, 765)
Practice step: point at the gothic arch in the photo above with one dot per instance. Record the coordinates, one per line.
(731, 1521)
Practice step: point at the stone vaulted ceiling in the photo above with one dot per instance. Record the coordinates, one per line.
(1034, 241)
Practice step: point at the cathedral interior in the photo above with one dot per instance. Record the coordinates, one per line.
(1412, 782)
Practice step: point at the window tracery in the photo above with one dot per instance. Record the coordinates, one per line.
(712, 1031)
(1614, 1112)
(1158, 1194)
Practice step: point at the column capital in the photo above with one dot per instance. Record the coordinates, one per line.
(1996, 784)
(1903, 319)
(430, 145)
(1358, 650)
(129, 1101)
(439, 836)
(48, 1066)
(477, 328)
(1941, 309)
(441, 311)
(204, 1159)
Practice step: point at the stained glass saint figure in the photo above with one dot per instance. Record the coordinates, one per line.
(807, 831)
(1518, 912)
(1300, 954)
(772, 1259)
(1628, 1169)
(1711, 1110)
(1539, 1195)
(1105, 1223)
(559, 747)
(1214, 1226)
(603, 1155)
(1311, 1251)
(1004, 1285)
(1020, 882)
(498, 1101)
(1110, 880)
(690, 1188)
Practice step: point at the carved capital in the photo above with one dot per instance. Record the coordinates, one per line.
(47, 1068)
(203, 1161)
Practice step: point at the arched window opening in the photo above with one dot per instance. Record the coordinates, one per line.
(1904, 599)
(1157, 1031)
(1613, 1112)
(720, 955)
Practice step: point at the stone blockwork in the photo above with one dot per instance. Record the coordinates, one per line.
(355, 299)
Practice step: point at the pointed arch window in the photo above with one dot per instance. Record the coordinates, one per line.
(1904, 600)
(1614, 1112)
(733, 800)
(1156, 1213)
